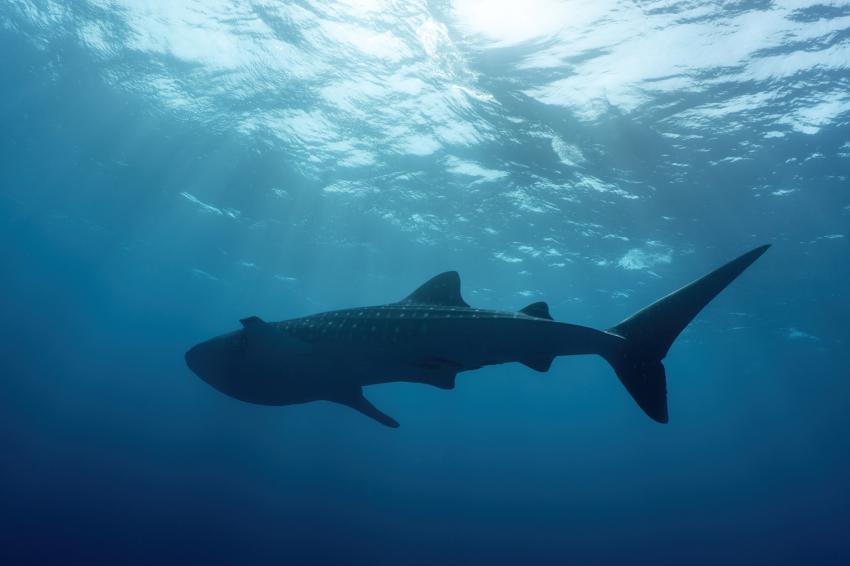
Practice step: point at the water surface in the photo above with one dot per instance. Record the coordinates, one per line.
(169, 167)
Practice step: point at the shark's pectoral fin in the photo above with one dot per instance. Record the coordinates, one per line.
(358, 402)
(252, 322)
(538, 363)
(264, 339)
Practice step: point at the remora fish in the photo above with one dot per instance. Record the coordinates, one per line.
(431, 336)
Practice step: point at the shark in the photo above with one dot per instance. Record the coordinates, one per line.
(432, 335)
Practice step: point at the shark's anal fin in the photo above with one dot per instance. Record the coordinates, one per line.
(355, 399)
(537, 310)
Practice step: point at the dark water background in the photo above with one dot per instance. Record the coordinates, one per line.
(167, 168)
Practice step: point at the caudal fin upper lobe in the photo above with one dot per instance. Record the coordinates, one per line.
(649, 333)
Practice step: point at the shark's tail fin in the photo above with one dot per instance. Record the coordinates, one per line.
(649, 333)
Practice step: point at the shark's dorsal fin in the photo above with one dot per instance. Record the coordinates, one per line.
(537, 310)
(442, 289)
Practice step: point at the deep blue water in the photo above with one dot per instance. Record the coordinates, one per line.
(167, 168)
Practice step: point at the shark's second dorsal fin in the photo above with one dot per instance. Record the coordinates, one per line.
(442, 289)
(537, 310)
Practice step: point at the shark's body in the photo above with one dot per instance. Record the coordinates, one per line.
(433, 335)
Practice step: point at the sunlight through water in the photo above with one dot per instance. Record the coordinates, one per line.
(171, 167)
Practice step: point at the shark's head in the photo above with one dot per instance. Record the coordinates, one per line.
(216, 361)
(255, 364)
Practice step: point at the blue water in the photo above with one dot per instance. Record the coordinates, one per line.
(167, 168)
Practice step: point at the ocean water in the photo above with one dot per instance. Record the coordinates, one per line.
(169, 167)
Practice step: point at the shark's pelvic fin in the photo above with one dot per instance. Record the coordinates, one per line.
(445, 380)
(537, 310)
(442, 289)
(439, 372)
(354, 398)
(538, 363)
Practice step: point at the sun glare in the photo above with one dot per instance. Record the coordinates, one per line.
(510, 22)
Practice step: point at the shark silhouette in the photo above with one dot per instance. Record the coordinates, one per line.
(431, 336)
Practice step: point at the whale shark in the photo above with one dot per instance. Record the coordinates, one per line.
(432, 335)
